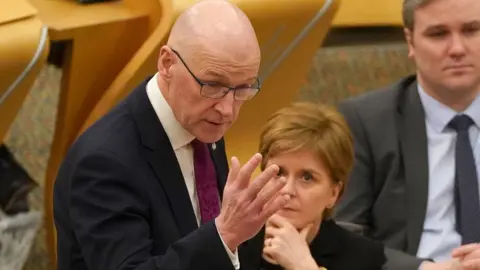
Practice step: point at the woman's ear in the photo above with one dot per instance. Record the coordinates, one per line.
(336, 190)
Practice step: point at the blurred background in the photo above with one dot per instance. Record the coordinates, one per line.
(364, 49)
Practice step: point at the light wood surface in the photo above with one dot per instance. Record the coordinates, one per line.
(13, 10)
(101, 39)
(366, 13)
(64, 17)
(20, 39)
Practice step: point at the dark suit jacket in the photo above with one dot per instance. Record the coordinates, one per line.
(120, 200)
(334, 248)
(388, 189)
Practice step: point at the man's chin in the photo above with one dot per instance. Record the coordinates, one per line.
(462, 83)
(210, 135)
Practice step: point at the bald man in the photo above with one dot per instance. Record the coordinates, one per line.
(148, 185)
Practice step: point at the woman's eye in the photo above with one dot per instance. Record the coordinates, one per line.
(307, 176)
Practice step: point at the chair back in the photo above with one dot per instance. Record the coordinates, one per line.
(24, 47)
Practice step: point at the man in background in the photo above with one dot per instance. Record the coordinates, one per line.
(415, 184)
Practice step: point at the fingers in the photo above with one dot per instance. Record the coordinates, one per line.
(245, 173)
(465, 250)
(268, 255)
(471, 264)
(278, 221)
(278, 202)
(234, 169)
(257, 190)
(473, 255)
(270, 232)
(266, 196)
(470, 256)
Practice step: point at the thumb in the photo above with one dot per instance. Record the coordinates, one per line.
(305, 231)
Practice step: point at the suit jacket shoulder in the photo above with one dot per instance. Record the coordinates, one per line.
(376, 104)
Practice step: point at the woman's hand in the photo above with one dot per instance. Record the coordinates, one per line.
(285, 246)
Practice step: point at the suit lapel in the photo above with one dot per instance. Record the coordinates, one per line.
(165, 165)
(413, 143)
(162, 160)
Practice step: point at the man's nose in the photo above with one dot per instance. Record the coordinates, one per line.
(225, 105)
(457, 45)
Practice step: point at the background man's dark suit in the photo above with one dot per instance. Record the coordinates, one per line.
(122, 191)
(388, 189)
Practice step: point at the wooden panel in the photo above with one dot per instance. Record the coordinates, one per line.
(357, 13)
(102, 39)
(19, 42)
(63, 17)
(11, 10)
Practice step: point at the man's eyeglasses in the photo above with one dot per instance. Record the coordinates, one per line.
(217, 90)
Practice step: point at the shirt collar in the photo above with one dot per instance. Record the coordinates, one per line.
(178, 136)
(439, 114)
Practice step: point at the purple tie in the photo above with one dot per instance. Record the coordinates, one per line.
(206, 182)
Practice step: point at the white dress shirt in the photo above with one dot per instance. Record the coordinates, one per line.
(439, 236)
(180, 140)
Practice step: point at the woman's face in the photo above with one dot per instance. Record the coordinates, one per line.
(308, 183)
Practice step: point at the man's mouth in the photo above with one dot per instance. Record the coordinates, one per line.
(458, 67)
(215, 123)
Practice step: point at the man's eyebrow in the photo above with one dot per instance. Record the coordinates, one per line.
(472, 23)
(442, 26)
(435, 27)
(217, 75)
(224, 78)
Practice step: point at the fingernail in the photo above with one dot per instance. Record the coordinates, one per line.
(287, 197)
(282, 180)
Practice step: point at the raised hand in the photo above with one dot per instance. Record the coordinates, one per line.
(247, 204)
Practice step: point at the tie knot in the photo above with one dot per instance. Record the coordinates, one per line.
(460, 122)
(198, 145)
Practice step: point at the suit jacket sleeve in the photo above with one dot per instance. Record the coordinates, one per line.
(109, 213)
(357, 201)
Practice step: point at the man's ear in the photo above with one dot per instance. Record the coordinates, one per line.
(409, 39)
(165, 62)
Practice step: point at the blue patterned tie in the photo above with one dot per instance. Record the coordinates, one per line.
(205, 181)
(467, 201)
